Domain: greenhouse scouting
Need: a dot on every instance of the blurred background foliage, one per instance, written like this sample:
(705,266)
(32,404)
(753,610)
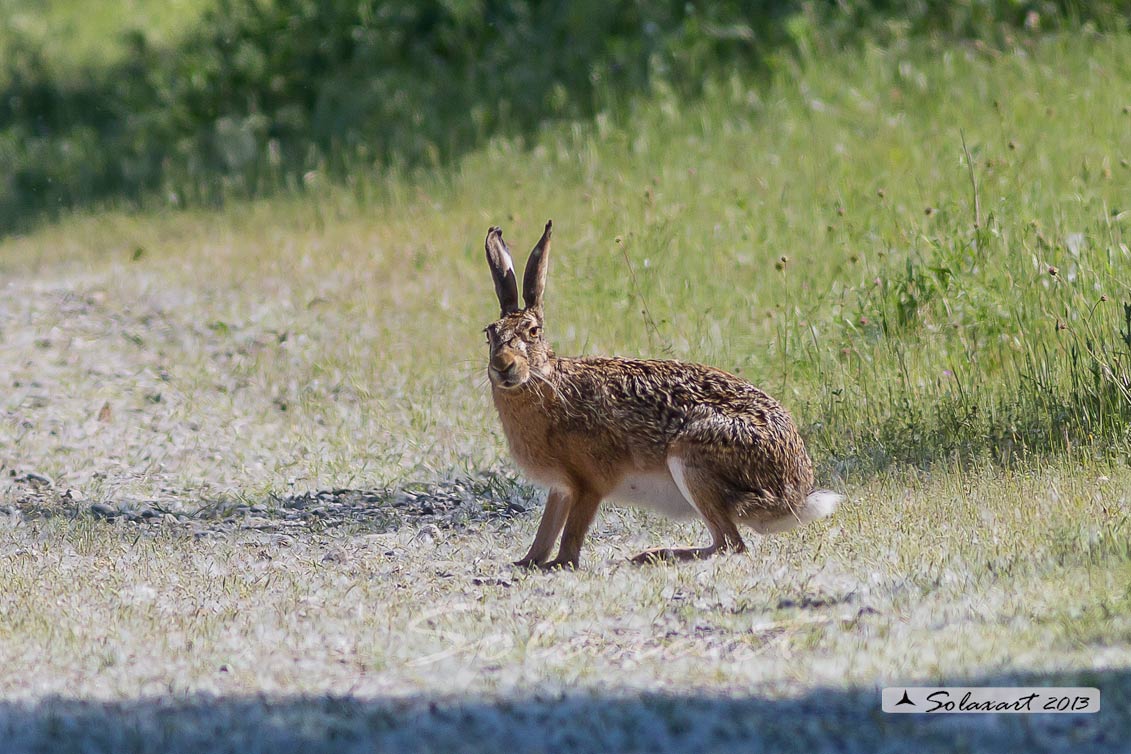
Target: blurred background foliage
(227,98)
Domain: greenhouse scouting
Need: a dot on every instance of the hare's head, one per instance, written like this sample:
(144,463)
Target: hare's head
(518,348)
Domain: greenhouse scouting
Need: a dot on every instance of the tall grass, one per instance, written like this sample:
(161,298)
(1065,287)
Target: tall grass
(820,235)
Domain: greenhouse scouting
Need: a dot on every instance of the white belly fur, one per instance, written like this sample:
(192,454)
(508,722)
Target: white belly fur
(655,490)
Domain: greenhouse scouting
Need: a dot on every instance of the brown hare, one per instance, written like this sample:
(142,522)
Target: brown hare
(681,438)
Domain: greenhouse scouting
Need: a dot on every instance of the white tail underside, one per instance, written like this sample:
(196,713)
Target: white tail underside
(819,504)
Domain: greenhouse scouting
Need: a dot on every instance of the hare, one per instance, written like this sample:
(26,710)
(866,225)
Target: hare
(685,439)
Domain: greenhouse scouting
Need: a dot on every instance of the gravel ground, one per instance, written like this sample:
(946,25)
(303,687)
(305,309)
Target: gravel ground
(446,504)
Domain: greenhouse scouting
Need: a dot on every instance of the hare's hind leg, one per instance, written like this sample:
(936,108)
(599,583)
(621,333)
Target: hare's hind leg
(704,495)
(553,519)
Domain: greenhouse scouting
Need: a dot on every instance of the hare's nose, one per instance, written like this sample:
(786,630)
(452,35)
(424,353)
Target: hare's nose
(502,362)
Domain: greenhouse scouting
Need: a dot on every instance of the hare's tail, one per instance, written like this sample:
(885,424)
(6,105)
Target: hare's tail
(819,504)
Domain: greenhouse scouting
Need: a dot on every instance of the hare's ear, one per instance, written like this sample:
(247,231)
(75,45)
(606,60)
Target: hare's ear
(534,279)
(502,270)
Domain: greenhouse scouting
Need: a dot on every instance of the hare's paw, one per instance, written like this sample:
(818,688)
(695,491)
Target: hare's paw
(527,562)
(560,564)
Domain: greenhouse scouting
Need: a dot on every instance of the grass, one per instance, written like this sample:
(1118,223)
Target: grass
(381,635)
(967,400)
(71,36)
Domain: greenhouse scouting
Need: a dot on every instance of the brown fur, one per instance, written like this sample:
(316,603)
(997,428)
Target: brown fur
(586,427)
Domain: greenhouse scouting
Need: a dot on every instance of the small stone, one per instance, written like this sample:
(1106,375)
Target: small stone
(104,511)
(38,480)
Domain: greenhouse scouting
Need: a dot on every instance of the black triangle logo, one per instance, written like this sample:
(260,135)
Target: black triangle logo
(905,700)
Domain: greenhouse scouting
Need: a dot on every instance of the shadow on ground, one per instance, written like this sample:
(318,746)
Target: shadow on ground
(452,501)
(821,720)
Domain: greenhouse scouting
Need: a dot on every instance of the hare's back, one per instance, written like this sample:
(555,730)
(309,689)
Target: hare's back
(677,384)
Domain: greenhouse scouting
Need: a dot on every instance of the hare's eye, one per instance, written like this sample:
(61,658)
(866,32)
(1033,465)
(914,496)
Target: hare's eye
(534,331)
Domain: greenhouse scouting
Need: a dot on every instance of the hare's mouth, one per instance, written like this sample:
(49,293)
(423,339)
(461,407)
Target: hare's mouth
(506,380)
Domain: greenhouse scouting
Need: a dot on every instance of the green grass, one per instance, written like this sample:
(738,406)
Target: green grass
(896,335)
(73,34)
(333,340)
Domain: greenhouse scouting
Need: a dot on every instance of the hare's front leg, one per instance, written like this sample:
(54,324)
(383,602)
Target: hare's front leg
(710,498)
(553,519)
(582,509)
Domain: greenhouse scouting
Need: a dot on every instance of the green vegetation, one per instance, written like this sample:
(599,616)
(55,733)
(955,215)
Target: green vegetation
(259,93)
(896,330)
(69,35)
(917,242)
